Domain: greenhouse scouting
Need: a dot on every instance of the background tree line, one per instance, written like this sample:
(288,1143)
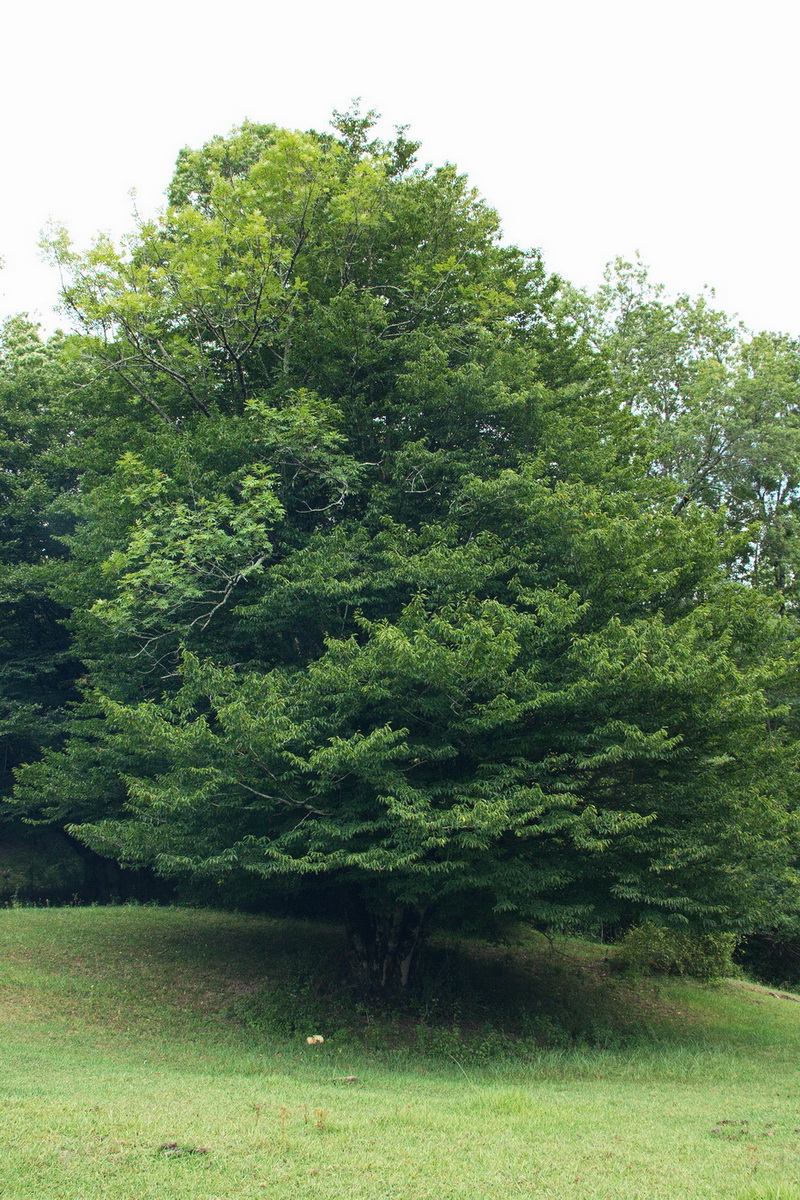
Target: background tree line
(350,553)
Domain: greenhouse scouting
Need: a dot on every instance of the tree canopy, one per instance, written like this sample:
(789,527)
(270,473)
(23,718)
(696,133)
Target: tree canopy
(395,562)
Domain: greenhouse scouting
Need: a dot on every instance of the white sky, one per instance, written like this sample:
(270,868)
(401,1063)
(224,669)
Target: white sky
(596,127)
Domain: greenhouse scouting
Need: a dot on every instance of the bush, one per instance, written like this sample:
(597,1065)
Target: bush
(655,949)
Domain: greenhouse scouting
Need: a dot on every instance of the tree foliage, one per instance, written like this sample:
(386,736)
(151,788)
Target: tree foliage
(394,563)
(37,669)
(719,410)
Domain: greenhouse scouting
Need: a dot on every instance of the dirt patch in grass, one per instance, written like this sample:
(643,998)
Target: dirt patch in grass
(17,1008)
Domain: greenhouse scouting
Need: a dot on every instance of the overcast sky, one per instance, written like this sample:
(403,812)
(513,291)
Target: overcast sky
(595,127)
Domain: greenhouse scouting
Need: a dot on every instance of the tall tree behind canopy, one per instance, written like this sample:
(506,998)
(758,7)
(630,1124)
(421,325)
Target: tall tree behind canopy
(719,408)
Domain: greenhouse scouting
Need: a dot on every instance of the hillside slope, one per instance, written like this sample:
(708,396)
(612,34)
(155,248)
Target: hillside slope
(128,1070)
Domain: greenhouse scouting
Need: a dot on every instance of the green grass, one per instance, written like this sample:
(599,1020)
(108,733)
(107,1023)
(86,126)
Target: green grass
(125,1076)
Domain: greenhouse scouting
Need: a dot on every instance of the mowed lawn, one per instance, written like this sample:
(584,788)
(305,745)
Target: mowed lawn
(124,1076)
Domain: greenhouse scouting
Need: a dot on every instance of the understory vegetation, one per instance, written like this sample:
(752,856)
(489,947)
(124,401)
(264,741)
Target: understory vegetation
(163,1052)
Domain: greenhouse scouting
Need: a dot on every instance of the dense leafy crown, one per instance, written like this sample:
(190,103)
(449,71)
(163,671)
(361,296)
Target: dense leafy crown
(376,572)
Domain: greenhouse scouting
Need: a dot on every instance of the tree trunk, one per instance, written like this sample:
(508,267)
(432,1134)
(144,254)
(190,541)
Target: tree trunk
(384,941)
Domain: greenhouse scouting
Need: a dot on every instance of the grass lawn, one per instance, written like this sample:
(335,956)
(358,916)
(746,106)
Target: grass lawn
(124,1076)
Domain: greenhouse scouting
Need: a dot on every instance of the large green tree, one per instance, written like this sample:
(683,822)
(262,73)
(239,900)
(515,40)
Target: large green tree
(379,588)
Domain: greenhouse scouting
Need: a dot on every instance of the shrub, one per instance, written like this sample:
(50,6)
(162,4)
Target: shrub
(656,949)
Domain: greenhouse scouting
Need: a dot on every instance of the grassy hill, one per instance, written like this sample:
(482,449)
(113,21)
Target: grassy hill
(161,1054)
